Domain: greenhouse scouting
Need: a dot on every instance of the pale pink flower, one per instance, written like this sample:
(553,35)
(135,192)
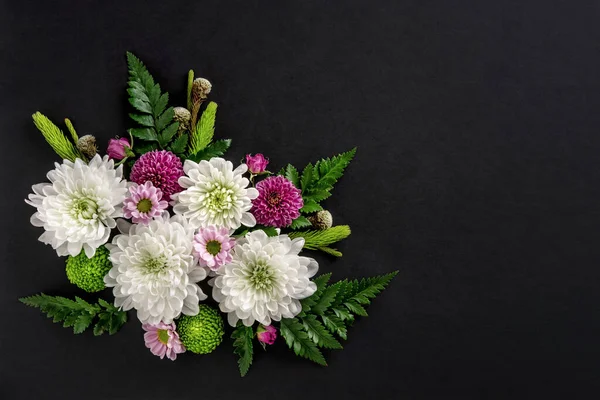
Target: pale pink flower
(117,148)
(144,203)
(162,340)
(256,163)
(266,334)
(212,245)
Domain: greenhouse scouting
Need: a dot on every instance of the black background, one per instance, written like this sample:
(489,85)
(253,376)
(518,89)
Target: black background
(476,176)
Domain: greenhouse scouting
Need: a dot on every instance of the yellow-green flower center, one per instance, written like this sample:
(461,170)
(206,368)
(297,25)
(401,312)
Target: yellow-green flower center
(154,265)
(261,276)
(144,205)
(218,199)
(213,247)
(163,336)
(84,208)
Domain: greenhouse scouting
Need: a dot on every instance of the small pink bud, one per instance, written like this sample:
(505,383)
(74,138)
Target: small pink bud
(117,148)
(257,163)
(266,334)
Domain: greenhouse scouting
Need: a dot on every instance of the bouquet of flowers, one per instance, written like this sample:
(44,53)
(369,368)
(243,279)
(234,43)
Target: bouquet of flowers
(187,225)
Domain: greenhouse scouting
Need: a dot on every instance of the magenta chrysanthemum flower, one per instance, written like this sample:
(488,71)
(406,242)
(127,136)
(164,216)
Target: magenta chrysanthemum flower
(278,202)
(144,203)
(162,168)
(163,340)
(212,246)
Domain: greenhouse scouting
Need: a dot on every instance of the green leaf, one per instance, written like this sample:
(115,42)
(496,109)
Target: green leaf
(146,97)
(307,177)
(319,334)
(168,133)
(203,134)
(55,138)
(143,119)
(300,222)
(311,206)
(242,346)
(356,308)
(291,174)
(179,144)
(190,84)
(330,251)
(144,133)
(321,282)
(315,240)
(298,340)
(216,149)
(335,325)
(325,300)
(78,313)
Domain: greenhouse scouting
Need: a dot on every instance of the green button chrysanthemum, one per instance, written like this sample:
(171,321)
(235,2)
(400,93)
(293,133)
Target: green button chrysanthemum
(88,273)
(202,333)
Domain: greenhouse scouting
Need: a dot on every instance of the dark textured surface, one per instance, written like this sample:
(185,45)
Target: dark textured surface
(477,177)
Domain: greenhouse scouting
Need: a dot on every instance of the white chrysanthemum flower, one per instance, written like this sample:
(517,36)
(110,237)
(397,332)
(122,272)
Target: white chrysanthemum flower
(265,280)
(154,270)
(215,194)
(78,208)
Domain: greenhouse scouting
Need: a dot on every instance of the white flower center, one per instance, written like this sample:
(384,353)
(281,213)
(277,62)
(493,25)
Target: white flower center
(218,198)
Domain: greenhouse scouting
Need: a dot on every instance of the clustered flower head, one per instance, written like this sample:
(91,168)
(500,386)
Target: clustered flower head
(278,202)
(162,168)
(144,203)
(212,246)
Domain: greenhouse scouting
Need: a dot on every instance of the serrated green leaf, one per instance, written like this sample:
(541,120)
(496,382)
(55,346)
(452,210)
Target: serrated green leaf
(291,174)
(203,133)
(144,134)
(310,206)
(300,222)
(307,178)
(319,334)
(161,104)
(165,119)
(335,325)
(168,133)
(179,144)
(215,149)
(143,119)
(242,346)
(138,93)
(83,321)
(297,339)
(140,105)
(356,308)
(325,300)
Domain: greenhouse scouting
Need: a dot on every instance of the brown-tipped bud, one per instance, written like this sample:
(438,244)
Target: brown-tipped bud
(321,220)
(200,89)
(183,116)
(87,146)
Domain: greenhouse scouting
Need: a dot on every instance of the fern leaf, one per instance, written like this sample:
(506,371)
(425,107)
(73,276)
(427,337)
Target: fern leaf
(242,344)
(319,334)
(300,222)
(297,339)
(203,134)
(291,174)
(215,149)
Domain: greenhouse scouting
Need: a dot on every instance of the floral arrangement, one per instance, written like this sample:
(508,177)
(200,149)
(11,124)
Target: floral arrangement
(184,237)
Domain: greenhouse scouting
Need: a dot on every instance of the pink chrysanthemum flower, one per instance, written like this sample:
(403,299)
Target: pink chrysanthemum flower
(163,340)
(162,168)
(278,202)
(212,246)
(144,203)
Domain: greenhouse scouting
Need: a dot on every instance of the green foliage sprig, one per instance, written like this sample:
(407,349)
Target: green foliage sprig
(242,346)
(55,137)
(321,240)
(328,313)
(316,182)
(78,313)
(203,133)
(156,120)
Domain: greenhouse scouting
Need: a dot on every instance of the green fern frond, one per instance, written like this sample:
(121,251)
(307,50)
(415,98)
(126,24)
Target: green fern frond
(242,346)
(78,313)
(55,137)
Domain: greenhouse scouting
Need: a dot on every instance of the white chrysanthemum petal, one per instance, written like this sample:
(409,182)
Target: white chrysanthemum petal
(78,208)
(215,194)
(154,270)
(264,281)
